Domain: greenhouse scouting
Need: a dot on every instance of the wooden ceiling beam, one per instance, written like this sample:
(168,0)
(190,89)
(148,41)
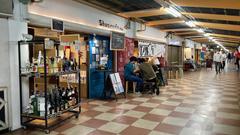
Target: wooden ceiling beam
(213,16)
(229,39)
(222,35)
(200,38)
(219,26)
(226,4)
(144,13)
(186,33)
(181,29)
(194,36)
(163,22)
(226,42)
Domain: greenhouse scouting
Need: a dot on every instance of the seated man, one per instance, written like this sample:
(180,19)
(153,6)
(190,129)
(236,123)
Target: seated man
(130,74)
(148,73)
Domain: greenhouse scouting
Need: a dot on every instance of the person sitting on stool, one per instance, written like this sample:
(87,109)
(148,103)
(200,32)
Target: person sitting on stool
(148,74)
(130,74)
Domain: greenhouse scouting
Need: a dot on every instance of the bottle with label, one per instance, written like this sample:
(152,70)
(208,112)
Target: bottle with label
(60,99)
(35,105)
(50,101)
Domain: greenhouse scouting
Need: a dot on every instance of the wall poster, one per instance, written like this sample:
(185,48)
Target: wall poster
(151,49)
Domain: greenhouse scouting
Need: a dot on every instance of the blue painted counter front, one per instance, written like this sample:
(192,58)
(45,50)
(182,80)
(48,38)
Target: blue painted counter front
(96,78)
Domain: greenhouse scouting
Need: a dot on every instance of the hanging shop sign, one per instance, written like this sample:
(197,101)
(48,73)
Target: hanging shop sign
(102,23)
(151,49)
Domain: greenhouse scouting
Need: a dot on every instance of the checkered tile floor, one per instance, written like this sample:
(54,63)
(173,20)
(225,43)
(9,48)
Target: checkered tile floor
(202,103)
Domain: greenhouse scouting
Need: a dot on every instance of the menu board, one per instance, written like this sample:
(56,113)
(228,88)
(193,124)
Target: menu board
(117,41)
(57,25)
(116,83)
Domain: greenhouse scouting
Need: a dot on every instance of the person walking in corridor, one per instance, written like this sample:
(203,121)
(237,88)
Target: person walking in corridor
(217,59)
(223,59)
(229,57)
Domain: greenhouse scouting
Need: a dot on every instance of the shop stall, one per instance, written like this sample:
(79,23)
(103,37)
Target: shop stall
(142,49)
(124,55)
(189,56)
(49,83)
(198,52)
(100,64)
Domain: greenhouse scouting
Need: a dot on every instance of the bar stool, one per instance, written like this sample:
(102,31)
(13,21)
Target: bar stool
(126,87)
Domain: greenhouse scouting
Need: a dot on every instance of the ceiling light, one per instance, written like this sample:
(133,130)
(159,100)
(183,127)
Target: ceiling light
(200,30)
(190,24)
(173,12)
(206,35)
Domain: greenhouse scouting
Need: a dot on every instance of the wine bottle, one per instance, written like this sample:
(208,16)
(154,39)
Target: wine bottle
(35,105)
(60,99)
(68,94)
(51,101)
(76,95)
(64,97)
(56,98)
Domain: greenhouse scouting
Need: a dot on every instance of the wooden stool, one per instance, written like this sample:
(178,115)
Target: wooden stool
(126,87)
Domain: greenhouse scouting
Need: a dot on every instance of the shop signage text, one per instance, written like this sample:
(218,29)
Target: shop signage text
(110,26)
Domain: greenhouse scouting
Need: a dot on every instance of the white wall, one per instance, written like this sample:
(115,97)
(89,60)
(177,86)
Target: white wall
(10,33)
(189,43)
(4,58)
(16,29)
(84,17)
(151,34)
(175,40)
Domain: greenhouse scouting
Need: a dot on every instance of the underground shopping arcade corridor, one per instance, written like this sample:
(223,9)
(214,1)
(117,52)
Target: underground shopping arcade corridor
(201,103)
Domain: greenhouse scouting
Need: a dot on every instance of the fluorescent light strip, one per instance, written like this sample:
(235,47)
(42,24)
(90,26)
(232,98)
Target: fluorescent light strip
(173,12)
(206,35)
(199,30)
(190,24)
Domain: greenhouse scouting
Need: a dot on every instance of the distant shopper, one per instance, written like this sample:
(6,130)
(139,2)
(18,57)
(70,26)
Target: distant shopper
(217,59)
(130,74)
(237,57)
(223,58)
(229,57)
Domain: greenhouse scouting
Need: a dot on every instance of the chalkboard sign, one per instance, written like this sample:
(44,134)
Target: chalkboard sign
(117,41)
(57,25)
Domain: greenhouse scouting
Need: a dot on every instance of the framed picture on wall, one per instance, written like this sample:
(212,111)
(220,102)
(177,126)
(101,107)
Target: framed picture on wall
(117,41)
